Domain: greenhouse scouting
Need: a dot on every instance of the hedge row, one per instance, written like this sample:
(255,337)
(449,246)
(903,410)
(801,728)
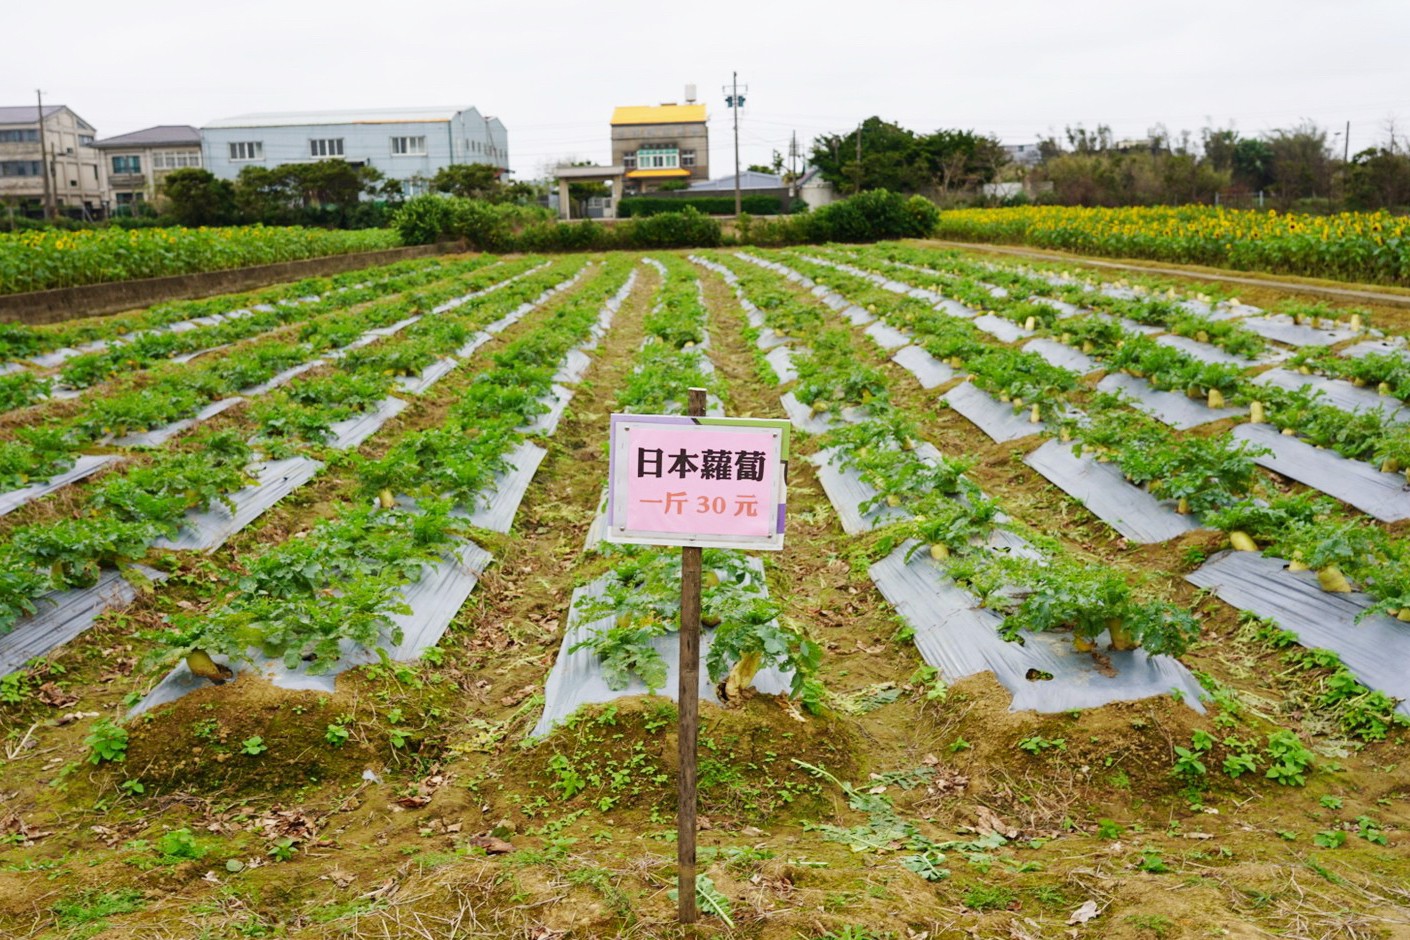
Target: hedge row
(497,227)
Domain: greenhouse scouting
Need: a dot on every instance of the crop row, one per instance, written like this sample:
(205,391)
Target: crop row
(1214,475)
(141,350)
(126,512)
(639,599)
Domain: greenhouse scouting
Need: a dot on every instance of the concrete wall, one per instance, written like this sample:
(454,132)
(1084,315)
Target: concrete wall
(91,300)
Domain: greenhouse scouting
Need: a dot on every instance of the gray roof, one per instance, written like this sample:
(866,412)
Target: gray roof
(27,113)
(749,179)
(359,116)
(173,135)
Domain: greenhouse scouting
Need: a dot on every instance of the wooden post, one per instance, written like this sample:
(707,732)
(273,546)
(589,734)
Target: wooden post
(688,701)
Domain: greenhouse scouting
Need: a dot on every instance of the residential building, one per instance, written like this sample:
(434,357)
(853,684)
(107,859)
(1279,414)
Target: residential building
(136,162)
(657,143)
(74,167)
(1023,154)
(405,144)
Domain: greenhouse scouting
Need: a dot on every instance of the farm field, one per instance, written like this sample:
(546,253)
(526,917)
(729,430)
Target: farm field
(41,260)
(1350,246)
(1090,621)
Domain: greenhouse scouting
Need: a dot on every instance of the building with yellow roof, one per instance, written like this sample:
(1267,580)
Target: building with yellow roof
(660,143)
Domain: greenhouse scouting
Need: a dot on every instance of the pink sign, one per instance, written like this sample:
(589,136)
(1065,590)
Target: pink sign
(678,482)
(705,482)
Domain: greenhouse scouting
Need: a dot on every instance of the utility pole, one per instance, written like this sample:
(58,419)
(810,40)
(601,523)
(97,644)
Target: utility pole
(736,101)
(857,185)
(792,174)
(50,210)
(1346,152)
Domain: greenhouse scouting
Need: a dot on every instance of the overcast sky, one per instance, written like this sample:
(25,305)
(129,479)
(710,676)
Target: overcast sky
(553,70)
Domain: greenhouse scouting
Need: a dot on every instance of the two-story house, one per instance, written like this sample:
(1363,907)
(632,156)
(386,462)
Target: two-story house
(136,163)
(656,143)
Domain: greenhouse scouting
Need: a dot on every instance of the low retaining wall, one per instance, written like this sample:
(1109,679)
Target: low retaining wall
(91,300)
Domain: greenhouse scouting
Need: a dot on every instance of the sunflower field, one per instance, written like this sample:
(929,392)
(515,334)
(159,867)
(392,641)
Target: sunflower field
(1349,246)
(41,260)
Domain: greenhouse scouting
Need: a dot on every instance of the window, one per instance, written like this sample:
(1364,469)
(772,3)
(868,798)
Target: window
(405,146)
(85,140)
(629,161)
(247,150)
(326,147)
(687,158)
(655,158)
(174,159)
(131,164)
(21,168)
(21,136)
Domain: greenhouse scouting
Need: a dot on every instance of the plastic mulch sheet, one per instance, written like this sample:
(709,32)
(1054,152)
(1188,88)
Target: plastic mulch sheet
(576,678)
(434,601)
(768,339)
(82,468)
(58,357)
(598,525)
(1101,487)
(857,316)
(1062,356)
(1208,352)
(498,505)
(804,420)
(283,378)
(159,436)
(1178,411)
(417,384)
(1002,329)
(546,423)
(1063,308)
(196,354)
(846,491)
(995,418)
(63,615)
(350,433)
(887,337)
(1282,329)
(1382,495)
(1130,326)
(780,359)
(928,371)
(206,531)
(1337,393)
(573,368)
(1375,648)
(960,638)
(1380,347)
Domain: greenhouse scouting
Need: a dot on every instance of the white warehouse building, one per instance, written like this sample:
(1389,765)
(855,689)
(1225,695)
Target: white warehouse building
(406,144)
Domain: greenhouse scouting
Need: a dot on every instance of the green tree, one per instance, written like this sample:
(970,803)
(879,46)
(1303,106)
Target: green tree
(196,197)
(888,158)
(1378,178)
(1301,167)
(955,160)
(469,181)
